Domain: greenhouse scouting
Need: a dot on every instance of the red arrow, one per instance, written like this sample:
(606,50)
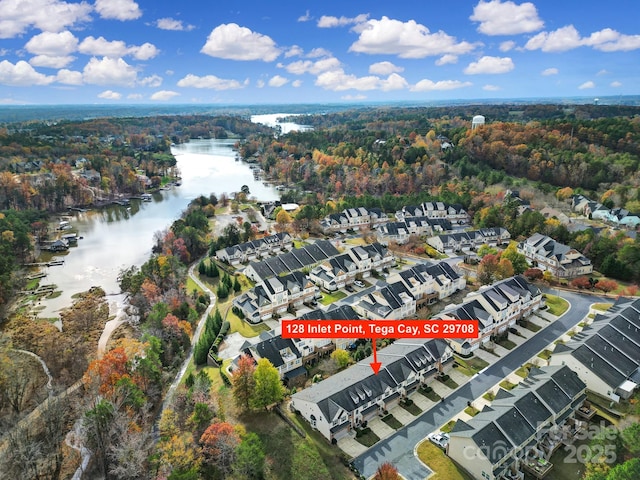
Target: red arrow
(375,365)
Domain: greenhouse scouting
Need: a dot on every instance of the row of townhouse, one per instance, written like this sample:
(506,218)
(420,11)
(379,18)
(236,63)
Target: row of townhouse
(496,307)
(400,231)
(606,353)
(352,218)
(275,295)
(291,355)
(255,249)
(452,212)
(522,428)
(454,242)
(296,259)
(341,270)
(561,260)
(410,289)
(597,211)
(350,398)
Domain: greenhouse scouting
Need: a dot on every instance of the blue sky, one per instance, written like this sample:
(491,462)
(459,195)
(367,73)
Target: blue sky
(199,51)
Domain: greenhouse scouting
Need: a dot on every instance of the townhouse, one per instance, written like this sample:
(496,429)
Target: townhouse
(430,283)
(606,353)
(400,231)
(348,399)
(496,307)
(391,302)
(333,312)
(296,259)
(455,242)
(276,295)
(452,212)
(561,260)
(522,427)
(352,218)
(335,273)
(597,211)
(255,249)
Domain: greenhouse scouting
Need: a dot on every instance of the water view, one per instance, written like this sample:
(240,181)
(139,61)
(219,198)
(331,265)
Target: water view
(118,237)
(271,120)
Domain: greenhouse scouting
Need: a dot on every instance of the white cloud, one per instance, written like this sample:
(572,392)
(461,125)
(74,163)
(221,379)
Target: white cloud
(327,21)
(164,95)
(296,83)
(69,77)
(52,44)
(603,72)
(615,84)
(278,81)
(21,74)
(550,71)
(260,83)
(491,88)
(16,16)
(152,81)
(508,45)
(384,68)
(338,80)
(208,81)
(587,85)
(307,66)
(234,42)
(560,40)
(506,18)
(568,38)
(318,52)
(353,97)
(110,95)
(173,24)
(406,39)
(447,59)
(116,49)
(118,9)
(427,85)
(146,51)
(109,71)
(294,51)
(305,18)
(50,61)
(490,65)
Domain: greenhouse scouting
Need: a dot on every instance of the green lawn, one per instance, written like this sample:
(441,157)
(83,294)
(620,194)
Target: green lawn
(392,421)
(447,427)
(431,395)
(245,329)
(192,286)
(532,326)
(489,396)
(329,298)
(506,343)
(413,409)
(442,466)
(472,411)
(368,439)
(507,385)
(556,305)
(602,306)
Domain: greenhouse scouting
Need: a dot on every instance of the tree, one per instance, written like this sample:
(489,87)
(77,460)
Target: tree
(250,457)
(283,220)
(218,445)
(631,438)
(387,471)
(580,283)
(341,357)
(629,470)
(518,260)
(606,285)
(268,387)
(236,285)
(243,382)
(532,274)
(485,249)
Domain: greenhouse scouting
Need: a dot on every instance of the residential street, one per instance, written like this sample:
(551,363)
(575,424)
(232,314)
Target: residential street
(399,448)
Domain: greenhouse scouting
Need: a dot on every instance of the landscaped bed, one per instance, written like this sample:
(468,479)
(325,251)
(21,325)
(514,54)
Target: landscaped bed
(392,421)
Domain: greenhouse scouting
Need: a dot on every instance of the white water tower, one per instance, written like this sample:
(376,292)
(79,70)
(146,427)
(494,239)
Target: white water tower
(477,121)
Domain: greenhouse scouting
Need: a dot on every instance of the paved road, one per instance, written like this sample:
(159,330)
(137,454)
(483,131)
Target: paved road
(399,448)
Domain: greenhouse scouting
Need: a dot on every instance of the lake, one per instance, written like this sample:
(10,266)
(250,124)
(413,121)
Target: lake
(118,237)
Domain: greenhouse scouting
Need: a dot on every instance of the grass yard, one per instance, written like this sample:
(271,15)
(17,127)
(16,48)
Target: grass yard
(603,307)
(442,466)
(471,411)
(329,298)
(451,384)
(557,306)
(431,395)
(447,427)
(506,343)
(368,439)
(412,408)
(245,328)
(392,421)
(489,396)
(507,385)
(192,286)
(532,326)
(291,456)
(523,371)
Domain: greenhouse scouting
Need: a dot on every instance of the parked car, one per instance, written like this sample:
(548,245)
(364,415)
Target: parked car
(349,288)
(440,439)
(358,283)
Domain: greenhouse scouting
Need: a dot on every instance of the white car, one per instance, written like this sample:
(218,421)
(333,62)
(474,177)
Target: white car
(440,439)
(358,283)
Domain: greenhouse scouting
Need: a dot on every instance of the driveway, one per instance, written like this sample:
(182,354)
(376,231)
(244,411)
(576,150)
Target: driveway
(398,448)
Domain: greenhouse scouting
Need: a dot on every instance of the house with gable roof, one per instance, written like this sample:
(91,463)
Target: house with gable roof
(561,260)
(391,302)
(606,353)
(522,427)
(352,397)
